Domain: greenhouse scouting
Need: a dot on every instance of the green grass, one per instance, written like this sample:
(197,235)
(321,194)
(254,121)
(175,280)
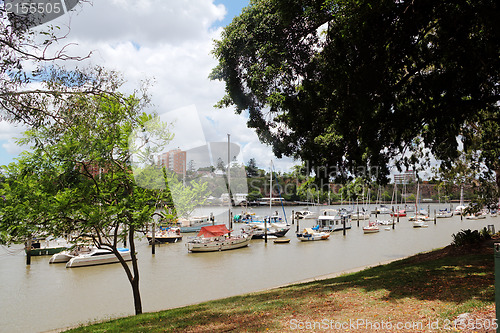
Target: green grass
(429,286)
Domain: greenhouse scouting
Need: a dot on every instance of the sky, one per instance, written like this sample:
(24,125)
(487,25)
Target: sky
(169,42)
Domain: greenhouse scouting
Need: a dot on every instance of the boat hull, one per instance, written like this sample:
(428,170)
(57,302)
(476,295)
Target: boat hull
(222,245)
(261,235)
(162,240)
(60,257)
(47,251)
(86,260)
(313,237)
(194,228)
(473,217)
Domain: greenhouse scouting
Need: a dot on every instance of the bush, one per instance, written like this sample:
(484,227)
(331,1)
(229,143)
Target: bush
(470,238)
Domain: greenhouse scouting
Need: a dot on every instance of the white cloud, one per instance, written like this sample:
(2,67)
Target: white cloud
(146,22)
(170,42)
(9,133)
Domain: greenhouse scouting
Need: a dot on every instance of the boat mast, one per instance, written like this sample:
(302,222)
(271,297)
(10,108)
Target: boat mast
(270,201)
(461,195)
(416,200)
(229,177)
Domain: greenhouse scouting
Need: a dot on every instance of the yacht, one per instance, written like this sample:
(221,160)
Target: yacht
(98,257)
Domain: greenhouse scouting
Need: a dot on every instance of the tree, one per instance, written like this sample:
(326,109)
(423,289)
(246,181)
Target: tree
(252,169)
(356,85)
(28,56)
(186,197)
(83,176)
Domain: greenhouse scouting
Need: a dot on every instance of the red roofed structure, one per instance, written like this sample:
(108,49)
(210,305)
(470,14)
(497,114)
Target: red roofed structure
(213,231)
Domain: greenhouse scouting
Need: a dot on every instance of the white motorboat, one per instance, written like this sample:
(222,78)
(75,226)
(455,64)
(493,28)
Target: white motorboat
(444,213)
(67,255)
(477,216)
(360,216)
(217,238)
(168,235)
(258,231)
(381,210)
(98,257)
(331,220)
(195,223)
(419,224)
(459,210)
(306,214)
(310,235)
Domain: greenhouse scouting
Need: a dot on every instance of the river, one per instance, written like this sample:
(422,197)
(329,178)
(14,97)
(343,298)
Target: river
(42,297)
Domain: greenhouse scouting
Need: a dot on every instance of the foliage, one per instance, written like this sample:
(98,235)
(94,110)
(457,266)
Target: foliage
(186,197)
(470,238)
(354,85)
(254,196)
(79,179)
(252,169)
(27,58)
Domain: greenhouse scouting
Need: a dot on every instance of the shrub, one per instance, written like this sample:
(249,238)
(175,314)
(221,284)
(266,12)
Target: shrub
(470,238)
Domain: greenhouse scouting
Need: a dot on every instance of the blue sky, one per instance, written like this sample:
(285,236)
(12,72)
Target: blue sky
(233,8)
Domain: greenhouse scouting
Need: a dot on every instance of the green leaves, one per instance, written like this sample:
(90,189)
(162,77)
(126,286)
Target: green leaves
(358,91)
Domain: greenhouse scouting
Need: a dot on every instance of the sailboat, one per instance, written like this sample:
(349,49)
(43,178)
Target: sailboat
(371,228)
(360,214)
(402,212)
(460,208)
(379,207)
(444,213)
(418,220)
(217,238)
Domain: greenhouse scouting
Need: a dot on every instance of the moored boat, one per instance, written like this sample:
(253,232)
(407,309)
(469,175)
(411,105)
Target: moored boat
(216,238)
(371,228)
(47,246)
(362,215)
(282,241)
(259,232)
(444,213)
(194,224)
(98,257)
(477,216)
(419,223)
(332,220)
(170,235)
(310,235)
(306,214)
(67,255)
(381,210)
(401,213)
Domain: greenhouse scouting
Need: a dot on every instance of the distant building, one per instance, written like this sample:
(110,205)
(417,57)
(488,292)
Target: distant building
(238,198)
(406,177)
(93,169)
(174,160)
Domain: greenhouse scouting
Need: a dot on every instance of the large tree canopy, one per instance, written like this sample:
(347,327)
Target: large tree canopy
(350,84)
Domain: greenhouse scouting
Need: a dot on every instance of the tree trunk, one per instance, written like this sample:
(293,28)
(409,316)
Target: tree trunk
(135,280)
(133,276)
(497,173)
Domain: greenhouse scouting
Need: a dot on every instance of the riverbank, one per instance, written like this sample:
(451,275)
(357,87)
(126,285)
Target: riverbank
(426,292)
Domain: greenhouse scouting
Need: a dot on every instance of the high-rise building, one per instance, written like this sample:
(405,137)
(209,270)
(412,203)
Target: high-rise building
(174,160)
(405,177)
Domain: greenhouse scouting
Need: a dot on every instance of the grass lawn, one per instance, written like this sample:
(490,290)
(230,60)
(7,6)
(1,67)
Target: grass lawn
(423,293)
